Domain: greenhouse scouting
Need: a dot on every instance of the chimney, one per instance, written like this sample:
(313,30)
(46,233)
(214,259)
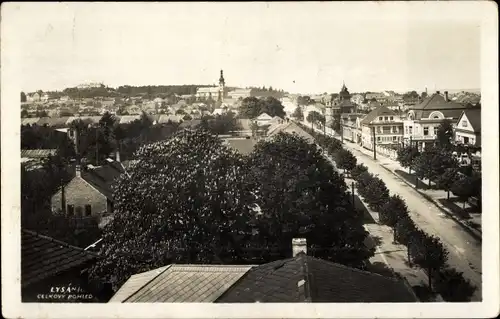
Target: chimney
(78,172)
(299,245)
(446,96)
(438,92)
(63,200)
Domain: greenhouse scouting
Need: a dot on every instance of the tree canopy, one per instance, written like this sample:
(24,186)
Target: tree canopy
(298,114)
(185,200)
(313,200)
(252,107)
(445,133)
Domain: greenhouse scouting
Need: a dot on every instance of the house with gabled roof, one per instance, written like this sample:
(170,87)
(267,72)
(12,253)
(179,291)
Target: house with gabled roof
(382,125)
(301,278)
(468,127)
(89,193)
(290,128)
(263,119)
(422,120)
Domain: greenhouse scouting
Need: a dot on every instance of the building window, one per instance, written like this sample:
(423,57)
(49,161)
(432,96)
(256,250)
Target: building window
(435,130)
(392,118)
(88,210)
(380,118)
(378,138)
(78,211)
(386,118)
(394,138)
(426,130)
(464,123)
(70,209)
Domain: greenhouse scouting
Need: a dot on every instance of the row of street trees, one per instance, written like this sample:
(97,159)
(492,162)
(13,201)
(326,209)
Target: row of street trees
(437,164)
(192,199)
(423,250)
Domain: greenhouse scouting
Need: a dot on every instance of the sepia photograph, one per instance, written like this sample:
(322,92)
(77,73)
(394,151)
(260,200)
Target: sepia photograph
(261,159)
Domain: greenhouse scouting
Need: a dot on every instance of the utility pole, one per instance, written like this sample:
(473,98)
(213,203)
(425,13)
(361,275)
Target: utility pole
(374,144)
(353,202)
(97,146)
(341,133)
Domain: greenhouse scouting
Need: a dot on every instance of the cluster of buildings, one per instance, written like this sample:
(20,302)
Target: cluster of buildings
(419,124)
(196,105)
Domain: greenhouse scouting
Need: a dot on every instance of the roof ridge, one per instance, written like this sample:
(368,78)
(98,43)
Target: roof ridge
(308,278)
(147,283)
(352,268)
(34,233)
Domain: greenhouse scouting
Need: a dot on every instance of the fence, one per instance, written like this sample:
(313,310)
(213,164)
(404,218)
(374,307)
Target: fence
(387,152)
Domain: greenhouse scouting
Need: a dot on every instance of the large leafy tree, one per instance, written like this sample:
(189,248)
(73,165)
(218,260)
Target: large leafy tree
(300,194)
(452,285)
(447,179)
(298,114)
(445,133)
(429,253)
(464,188)
(392,211)
(252,107)
(358,170)
(433,162)
(375,193)
(407,156)
(185,201)
(314,117)
(345,160)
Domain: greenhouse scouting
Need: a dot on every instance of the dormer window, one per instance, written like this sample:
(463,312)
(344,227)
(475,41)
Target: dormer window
(380,118)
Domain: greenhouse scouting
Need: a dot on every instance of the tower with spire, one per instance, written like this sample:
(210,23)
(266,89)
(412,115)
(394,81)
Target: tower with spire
(222,84)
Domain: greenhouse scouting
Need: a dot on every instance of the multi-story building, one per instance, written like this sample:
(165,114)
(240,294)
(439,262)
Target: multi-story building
(383,124)
(422,120)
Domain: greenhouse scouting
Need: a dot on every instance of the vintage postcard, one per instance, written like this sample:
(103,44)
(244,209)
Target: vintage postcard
(247,160)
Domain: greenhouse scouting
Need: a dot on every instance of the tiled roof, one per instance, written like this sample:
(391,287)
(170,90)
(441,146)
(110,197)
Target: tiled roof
(190,123)
(38,153)
(245,124)
(29,121)
(43,257)
(165,118)
(124,119)
(103,177)
(135,283)
(291,128)
(474,117)
(264,116)
(381,110)
(189,283)
(437,102)
(324,282)
(242,145)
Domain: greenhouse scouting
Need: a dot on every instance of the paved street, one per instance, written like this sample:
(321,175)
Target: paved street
(464,250)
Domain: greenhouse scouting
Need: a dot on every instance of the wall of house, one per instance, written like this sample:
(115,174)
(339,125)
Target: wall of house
(420,129)
(469,138)
(80,193)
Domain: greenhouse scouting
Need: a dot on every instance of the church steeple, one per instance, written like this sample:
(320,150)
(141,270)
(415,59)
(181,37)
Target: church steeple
(222,84)
(221,79)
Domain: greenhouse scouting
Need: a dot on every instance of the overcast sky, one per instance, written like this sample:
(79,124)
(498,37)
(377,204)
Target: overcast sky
(299,47)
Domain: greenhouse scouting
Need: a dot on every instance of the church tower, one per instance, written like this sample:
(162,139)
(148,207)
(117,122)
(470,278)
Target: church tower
(222,84)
